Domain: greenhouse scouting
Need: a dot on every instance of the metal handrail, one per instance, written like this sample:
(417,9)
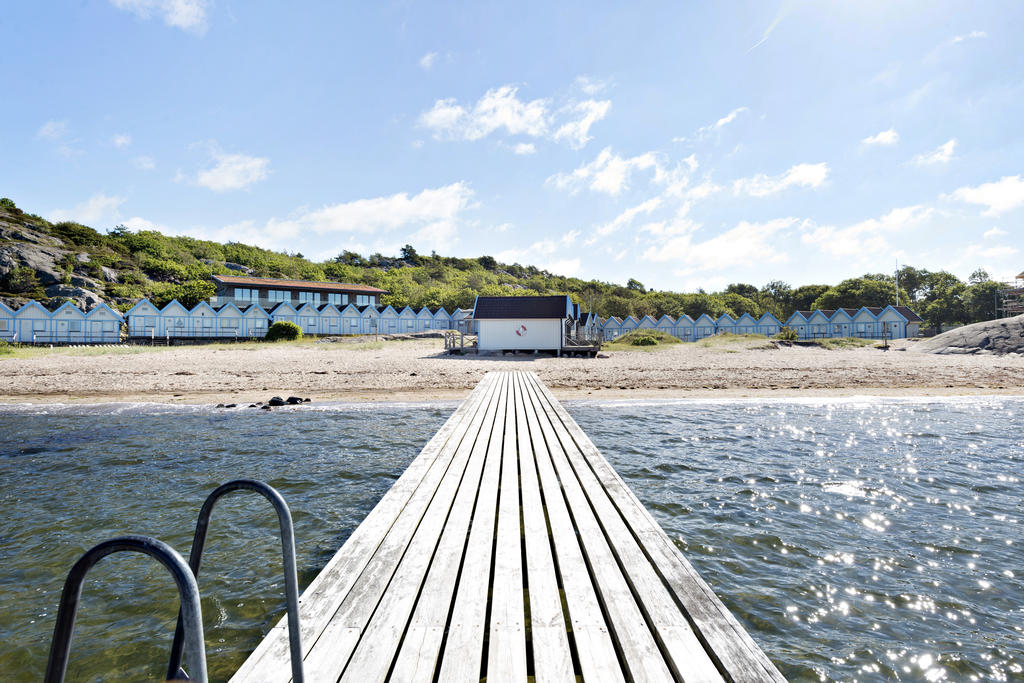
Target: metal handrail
(190,613)
(291,581)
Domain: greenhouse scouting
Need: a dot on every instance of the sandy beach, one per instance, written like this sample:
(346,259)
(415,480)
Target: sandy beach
(419,370)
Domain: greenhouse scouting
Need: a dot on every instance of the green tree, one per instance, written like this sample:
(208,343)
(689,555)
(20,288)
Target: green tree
(980,300)
(635,285)
(188,294)
(803,298)
(22,280)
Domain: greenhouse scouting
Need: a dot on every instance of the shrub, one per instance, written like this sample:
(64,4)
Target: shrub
(644,340)
(6,203)
(163,269)
(283,331)
(5,348)
(22,279)
(77,234)
(787,334)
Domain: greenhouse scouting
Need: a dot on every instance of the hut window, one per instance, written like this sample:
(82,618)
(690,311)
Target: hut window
(108,327)
(75,325)
(207,322)
(38,325)
(258,324)
(3,325)
(229,324)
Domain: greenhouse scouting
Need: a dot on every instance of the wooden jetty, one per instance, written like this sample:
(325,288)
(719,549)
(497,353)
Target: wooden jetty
(510,549)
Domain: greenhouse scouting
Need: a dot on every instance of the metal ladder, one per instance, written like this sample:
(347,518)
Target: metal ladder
(188,633)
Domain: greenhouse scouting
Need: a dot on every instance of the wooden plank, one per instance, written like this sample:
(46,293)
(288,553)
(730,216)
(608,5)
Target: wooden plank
(736,653)
(418,655)
(270,660)
(683,650)
(463,650)
(506,653)
(381,605)
(594,645)
(552,659)
(632,634)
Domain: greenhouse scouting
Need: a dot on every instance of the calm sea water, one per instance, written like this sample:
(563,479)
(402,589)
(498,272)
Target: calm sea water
(855,539)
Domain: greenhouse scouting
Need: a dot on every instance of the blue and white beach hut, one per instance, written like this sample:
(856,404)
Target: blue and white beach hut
(308,318)
(229,322)
(704,326)
(174,320)
(351,320)
(798,323)
(6,322)
(865,324)
(202,321)
(388,323)
(646,323)
(666,324)
(424,319)
(818,324)
(612,328)
(629,323)
(144,320)
(103,325)
(684,328)
(330,319)
(255,321)
(892,323)
(768,325)
(406,320)
(283,312)
(68,325)
(725,324)
(370,320)
(32,323)
(442,319)
(745,324)
(841,322)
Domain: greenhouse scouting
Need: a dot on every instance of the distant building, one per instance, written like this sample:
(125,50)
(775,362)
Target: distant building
(269,292)
(523,323)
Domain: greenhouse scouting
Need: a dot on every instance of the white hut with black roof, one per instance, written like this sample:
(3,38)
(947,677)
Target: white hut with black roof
(522,323)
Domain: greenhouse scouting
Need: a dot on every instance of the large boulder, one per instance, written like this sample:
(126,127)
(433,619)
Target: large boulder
(996,337)
(26,232)
(40,258)
(109,274)
(82,298)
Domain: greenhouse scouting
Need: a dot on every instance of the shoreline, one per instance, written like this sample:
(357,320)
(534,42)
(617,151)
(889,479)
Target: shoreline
(562,394)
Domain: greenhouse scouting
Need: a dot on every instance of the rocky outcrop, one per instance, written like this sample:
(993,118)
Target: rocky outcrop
(83,298)
(992,337)
(42,259)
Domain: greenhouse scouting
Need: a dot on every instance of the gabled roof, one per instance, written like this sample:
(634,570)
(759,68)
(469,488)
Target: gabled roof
(666,316)
(295,284)
(407,308)
(5,307)
(369,310)
(910,315)
(729,320)
(441,311)
(827,313)
(173,302)
(843,312)
(647,317)
(68,304)
(705,315)
(143,302)
(381,310)
(528,307)
(766,314)
(280,304)
(101,306)
(324,307)
(306,305)
(253,308)
(424,311)
(748,317)
(684,318)
(613,322)
(31,305)
(349,307)
(802,315)
(227,306)
(849,311)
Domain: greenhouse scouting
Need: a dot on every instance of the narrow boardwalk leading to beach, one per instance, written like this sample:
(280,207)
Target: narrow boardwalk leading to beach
(510,548)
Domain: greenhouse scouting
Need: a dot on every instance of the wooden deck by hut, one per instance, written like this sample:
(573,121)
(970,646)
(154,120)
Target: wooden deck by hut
(510,549)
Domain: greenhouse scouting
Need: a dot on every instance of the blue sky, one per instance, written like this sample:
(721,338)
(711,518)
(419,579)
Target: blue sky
(684,144)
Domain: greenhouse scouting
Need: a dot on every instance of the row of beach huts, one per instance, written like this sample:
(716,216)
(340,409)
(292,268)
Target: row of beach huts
(68,324)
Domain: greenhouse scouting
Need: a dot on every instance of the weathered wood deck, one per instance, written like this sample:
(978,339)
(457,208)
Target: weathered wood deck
(510,548)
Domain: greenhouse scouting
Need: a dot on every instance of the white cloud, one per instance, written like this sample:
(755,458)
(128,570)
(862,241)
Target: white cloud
(540,252)
(427,220)
(97,208)
(627,217)
(994,232)
(590,86)
(955,40)
(747,244)
(189,15)
(564,267)
(704,131)
(608,173)
(886,137)
(865,239)
(524,148)
(144,163)
(1000,196)
(576,131)
(941,155)
(801,175)
(136,223)
(233,172)
(427,61)
(121,140)
(501,111)
(53,130)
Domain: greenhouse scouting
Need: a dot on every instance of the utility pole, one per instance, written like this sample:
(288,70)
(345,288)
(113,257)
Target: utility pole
(897,281)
